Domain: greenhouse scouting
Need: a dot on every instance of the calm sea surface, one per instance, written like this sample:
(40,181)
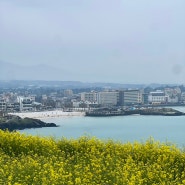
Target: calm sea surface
(121,128)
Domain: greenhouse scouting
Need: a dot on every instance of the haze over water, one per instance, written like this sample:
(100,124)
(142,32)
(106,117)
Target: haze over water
(120,128)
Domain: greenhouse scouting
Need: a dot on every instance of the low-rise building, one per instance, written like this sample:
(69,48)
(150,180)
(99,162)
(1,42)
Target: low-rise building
(157,97)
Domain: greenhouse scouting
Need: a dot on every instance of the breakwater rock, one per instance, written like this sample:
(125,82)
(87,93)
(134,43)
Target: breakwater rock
(143,111)
(17,123)
(155,111)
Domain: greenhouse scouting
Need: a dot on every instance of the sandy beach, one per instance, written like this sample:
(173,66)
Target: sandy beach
(47,114)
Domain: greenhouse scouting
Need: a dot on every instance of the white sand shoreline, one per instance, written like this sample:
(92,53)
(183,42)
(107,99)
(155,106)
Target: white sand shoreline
(47,114)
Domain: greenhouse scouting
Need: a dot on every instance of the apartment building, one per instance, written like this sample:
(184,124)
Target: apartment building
(11,107)
(183,97)
(130,97)
(26,103)
(68,93)
(108,98)
(89,96)
(172,94)
(2,104)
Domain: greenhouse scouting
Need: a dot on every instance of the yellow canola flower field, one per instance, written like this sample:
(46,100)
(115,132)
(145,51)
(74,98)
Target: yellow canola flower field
(26,160)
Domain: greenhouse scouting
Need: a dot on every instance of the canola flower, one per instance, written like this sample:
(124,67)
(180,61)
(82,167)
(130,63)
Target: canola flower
(33,160)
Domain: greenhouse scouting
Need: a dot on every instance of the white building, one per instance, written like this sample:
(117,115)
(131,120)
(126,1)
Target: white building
(26,103)
(76,104)
(108,98)
(157,97)
(132,97)
(89,96)
(44,97)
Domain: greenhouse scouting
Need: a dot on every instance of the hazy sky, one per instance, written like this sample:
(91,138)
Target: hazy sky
(126,41)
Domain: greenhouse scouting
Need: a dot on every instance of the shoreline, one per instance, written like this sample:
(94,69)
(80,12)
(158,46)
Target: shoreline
(47,114)
(52,114)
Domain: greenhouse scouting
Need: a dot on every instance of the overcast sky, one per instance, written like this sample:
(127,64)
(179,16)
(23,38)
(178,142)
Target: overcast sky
(125,41)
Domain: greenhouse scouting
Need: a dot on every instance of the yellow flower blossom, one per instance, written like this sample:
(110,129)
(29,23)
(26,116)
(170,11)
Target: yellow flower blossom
(87,161)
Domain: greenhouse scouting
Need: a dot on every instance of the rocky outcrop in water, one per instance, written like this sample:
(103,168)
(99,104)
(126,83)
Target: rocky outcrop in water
(16,123)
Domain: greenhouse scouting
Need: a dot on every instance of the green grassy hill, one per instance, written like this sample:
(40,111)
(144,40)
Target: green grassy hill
(45,161)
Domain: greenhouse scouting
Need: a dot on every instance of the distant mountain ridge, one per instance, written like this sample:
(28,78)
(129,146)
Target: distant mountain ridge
(13,75)
(74,84)
(9,71)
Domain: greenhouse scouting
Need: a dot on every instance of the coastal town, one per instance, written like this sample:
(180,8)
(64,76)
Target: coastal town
(25,106)
(36,99)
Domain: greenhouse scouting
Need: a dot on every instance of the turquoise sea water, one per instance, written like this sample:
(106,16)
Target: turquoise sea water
(121,128)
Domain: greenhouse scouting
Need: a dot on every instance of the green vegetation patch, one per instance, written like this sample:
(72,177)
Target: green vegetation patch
(45,161)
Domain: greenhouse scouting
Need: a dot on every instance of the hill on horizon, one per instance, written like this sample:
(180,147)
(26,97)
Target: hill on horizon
(12,75)
(10,71)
